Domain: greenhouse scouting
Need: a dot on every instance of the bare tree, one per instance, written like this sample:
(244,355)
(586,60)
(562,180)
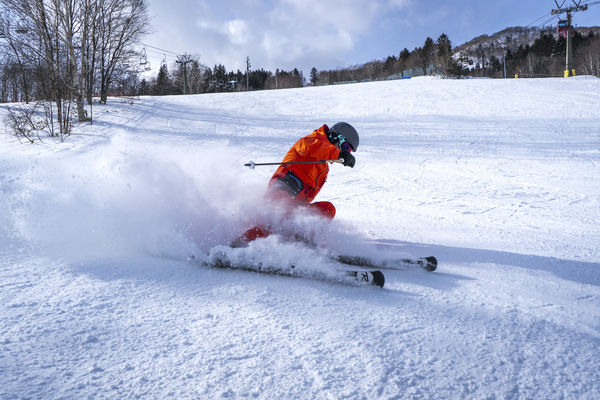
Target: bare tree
(24,123)
(195,74)
(6,30)
(591,57)
(72,15)
(120,24)
(44,38)
(65,41)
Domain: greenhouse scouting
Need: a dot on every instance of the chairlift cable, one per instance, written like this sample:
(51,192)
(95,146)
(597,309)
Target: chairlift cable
(533,22)
(156,48)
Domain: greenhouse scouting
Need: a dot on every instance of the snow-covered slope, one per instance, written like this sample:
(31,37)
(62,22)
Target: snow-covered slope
(497,178)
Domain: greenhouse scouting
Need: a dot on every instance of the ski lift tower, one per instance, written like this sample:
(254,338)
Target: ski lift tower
(184,60)
(577,6)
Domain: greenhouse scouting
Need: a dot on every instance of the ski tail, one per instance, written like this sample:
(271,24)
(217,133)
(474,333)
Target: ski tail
(427,263)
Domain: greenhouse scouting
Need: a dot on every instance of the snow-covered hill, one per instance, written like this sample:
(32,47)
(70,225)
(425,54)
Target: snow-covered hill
(497,178)
(513,38)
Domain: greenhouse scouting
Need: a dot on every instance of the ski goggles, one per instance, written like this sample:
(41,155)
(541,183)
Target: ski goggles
(344,145)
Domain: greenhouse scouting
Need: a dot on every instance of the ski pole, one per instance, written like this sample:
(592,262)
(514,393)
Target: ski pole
(252,164)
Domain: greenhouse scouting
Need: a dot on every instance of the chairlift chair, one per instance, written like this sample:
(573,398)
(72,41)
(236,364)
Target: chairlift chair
(563,27)
(21,27)
(143,58)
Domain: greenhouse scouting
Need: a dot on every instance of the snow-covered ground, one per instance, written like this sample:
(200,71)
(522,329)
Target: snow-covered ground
(500,179)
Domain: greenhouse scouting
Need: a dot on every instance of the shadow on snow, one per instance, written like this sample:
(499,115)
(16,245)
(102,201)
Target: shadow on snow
(576,271)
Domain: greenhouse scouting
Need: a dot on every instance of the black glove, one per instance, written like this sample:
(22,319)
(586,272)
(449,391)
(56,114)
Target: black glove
(348,159)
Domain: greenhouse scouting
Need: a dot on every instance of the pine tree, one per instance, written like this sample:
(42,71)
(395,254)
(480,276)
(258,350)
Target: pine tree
(219,77)
(144,87)
(403,60)
(314,76)
(455,69)
(444,52)
(427,54)
(495,65)
(388,65)
(163,83)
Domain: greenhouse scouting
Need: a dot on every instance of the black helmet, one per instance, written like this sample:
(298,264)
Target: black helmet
(343,132)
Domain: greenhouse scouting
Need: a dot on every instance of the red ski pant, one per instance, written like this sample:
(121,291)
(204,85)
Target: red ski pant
(322,208)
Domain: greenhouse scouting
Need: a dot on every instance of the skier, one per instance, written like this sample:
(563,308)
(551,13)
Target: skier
(298,184)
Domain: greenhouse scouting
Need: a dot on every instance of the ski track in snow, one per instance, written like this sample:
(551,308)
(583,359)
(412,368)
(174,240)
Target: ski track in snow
(492,177)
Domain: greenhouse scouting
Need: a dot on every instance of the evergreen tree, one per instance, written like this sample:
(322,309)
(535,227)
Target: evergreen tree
(207,81)
(258,78)
(314,76)
(389,64)
(219,77)
(444,52)
(495,66)
(403,60)
(144,87)
(455,69)
(427,54)
(298,78)
(163,84)
(544,45)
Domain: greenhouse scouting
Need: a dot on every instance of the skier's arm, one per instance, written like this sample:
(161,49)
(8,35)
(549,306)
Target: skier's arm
(314,149)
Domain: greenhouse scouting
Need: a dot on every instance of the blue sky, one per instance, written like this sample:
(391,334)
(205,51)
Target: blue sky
(327,34)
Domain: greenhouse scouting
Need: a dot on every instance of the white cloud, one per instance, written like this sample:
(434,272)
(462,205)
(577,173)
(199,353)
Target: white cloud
(238,31)
(280,33)
(316,29)
(323,33)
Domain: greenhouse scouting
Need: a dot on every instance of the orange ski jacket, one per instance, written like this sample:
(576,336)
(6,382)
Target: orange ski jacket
(313,147)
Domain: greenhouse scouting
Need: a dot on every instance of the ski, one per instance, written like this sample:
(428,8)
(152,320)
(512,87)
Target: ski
(375,278)
(354,276)
(427,263)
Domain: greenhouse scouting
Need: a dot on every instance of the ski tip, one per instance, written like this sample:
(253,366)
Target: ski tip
(378,278)
(431,264)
